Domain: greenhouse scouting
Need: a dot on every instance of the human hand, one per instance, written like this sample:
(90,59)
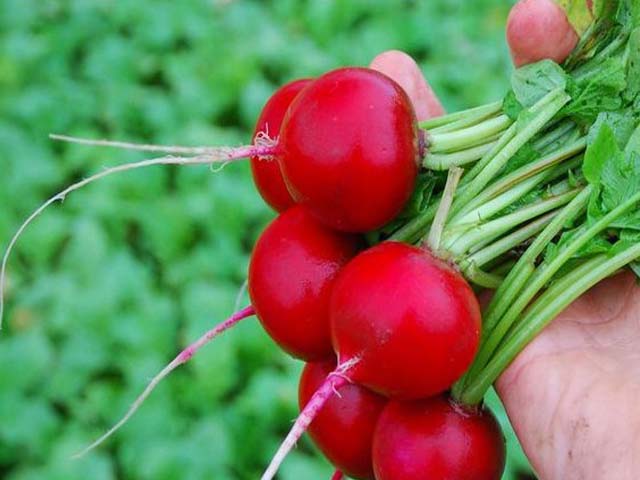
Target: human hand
(572,393)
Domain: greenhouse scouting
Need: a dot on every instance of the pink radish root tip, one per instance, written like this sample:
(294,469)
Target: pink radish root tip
(334,381)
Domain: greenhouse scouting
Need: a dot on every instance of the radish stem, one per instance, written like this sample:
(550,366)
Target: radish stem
(435,234)
(544,310)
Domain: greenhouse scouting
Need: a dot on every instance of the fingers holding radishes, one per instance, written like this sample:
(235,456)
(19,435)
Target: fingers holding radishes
(539,29)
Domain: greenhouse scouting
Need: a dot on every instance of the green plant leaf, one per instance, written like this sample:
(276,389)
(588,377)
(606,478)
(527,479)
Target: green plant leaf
(532,82)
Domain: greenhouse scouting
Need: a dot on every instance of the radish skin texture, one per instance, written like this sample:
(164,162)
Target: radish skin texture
(349,149)
(436,440)
(408,321)
(294,264)
(343,429)
(538,30)
(266,171)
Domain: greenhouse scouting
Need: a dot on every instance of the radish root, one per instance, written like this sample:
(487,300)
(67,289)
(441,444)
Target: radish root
(203,156)
(337,475)
(332,384)
(183,357)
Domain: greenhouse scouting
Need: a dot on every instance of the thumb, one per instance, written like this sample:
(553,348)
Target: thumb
(405,71)
(537,30)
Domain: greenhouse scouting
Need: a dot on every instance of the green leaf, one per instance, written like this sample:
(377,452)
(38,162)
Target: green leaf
(598,92)
(602,148)
(524,156)
(622,123)
(620,179)
(598,244)
(633,144)
(532,82)
(511,106)
(633,66)
(578,13)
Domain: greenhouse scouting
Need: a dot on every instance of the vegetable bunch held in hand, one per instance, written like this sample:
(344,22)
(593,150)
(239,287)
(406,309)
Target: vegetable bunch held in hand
(534,195)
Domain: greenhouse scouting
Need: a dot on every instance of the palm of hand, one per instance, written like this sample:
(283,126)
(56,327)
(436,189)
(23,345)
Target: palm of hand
(573,394)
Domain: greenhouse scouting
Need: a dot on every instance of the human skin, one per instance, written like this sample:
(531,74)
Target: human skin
(573,394)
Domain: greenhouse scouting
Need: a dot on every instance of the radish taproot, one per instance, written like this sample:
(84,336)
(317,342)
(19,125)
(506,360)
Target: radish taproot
(267,175)
(438,440)
(343,430)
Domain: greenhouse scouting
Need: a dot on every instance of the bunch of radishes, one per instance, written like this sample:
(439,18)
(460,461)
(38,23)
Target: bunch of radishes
(387,328)
(363,275)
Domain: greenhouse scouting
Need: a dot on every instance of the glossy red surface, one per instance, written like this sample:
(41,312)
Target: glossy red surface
(431,439)
(292,270)
(343,430)
(349,149)
(266,172)
(413,321)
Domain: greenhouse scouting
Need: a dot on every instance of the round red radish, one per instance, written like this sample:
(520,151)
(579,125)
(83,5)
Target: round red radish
(266,172)
(349,149)
(343,430)
(292,270)
(437,440)
(408,322)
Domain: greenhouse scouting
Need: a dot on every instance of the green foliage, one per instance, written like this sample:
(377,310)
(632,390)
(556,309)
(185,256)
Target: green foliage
(106,288)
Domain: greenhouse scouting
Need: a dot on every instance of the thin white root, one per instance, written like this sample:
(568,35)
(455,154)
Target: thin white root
(182,358)
(241,291)
(213,155)
(142,147)
(332,384)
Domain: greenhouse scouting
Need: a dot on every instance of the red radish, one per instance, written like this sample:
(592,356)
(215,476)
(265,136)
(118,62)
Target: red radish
(349,149)
(404,323)
(437,440)
(292,270)
(409,319)
(343,430)
(337,475)
(266,173)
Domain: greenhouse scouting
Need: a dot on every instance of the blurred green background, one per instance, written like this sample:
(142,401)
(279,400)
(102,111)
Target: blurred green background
(106,288)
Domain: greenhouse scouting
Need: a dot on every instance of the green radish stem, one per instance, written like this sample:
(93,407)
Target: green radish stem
(182,358)
(477,113)
(553,102)
(466,121)
(536,169)
(544,274)
(488,166)
(444,161)
(490,230)
(479,277)
(502,246)
(559,296)
(467,137)
(437,227)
